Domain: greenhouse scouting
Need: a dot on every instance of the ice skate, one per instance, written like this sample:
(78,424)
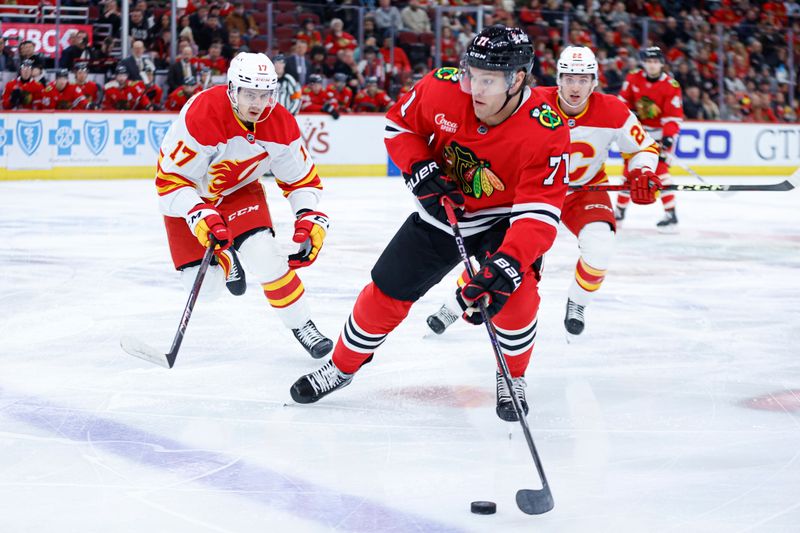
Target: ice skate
(441,320)
(505,405)
(235,281)
(313,386)
(668,224)
(619,214)
(315,343)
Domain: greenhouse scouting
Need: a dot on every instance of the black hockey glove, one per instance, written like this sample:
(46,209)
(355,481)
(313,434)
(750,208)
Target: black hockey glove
(665,151)
(497,278)
(16,97)
(430,185)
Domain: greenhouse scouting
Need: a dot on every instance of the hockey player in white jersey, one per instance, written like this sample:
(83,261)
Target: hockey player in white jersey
(207,181)
(595,120)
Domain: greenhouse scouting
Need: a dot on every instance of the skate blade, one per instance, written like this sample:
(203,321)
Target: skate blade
(572,339)
(137,348)
(668,230)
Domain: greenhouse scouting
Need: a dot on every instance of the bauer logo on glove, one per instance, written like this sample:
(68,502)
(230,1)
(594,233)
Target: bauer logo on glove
(310,229)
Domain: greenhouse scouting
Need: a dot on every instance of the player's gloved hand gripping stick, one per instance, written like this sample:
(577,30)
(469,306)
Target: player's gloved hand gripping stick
(530,501)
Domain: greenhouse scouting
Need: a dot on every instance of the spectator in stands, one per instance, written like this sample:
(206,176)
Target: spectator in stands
(138,27)
(371,98)
(339,39)
(26,50)
(160,49)
(235,45)
(309,34)
(298,65)
(401,66)
(103,60)
(613,77)
(62,95)
(186,38)
(90,89)
(731,109)
(760,111)
(710,107)
(342,93)
(214,59)
(111,15)
(198,19)
(371,66)
(289,91)
(387,18)
(465,36)
(6,57)
(242,21)
(346,64)
(76,51)
(153,91)
(137,61)
(23,92)
(181,70)
(415,18)
(449,48)
(178,98)
(316,99)
(692,105)
(370,30)
(319,62)
(211,31)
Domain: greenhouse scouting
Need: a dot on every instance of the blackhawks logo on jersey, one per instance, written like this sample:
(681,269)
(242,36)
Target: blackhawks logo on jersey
(646,108)
(447,74)
(547,116)
(473,174)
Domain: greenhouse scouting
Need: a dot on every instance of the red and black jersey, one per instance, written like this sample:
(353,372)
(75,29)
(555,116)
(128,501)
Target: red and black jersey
(344,97)
(91,91)
(314,102)
(19,94)
(515,171)
(71,97)
(378,102)
(658,104)
(154,93)
(178,98)
(129,97)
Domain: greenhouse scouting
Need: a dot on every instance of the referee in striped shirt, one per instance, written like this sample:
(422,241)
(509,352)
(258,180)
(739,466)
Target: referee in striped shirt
(289,91)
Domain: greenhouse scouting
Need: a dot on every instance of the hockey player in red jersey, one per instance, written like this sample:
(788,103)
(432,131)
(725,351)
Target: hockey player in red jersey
(464,136)
(125,95)
(23,92)
(595,121)
(318,99)
(656,99)
(89,89)
(342,93)
(371,99)
(178,98)
(209,164)
(61,94)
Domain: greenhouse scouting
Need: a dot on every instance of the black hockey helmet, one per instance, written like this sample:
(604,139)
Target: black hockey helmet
(340,77)
(652,52)
(314,78)
(500,48)
(190,81)
(62,73)
(371,80)
(121,69)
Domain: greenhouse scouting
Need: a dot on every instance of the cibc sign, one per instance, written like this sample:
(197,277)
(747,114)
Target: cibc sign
(43,36)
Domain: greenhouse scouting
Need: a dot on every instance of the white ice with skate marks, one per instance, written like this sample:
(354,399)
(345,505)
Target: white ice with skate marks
(674,412)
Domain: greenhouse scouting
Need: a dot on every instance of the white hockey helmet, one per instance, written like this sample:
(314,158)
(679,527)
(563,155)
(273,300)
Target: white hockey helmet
(577,60)
(252,71)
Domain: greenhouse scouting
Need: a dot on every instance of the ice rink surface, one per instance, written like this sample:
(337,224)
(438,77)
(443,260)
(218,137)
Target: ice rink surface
(679,410)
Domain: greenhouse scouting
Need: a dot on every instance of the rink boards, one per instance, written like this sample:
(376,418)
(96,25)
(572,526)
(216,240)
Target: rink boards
(115,145)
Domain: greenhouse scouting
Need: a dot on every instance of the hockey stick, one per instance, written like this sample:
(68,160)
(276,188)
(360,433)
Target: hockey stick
(141,350)
(785,185)
(529,501)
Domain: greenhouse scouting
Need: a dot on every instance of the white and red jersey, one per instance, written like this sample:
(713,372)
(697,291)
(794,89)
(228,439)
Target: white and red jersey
(604,121)
(658,104)
(514,171)
(71,97)
(208,153)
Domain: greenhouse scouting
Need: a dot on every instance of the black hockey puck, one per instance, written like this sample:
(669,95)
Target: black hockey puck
(483,507)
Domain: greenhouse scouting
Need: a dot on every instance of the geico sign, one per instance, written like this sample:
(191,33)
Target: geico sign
(711,144)
(774,143)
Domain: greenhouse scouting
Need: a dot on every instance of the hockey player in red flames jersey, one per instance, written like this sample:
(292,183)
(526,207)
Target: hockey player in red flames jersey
(89,89)
(464,136)
(23,92)
(61,94)
(209,164)
(656,99)
(595,121)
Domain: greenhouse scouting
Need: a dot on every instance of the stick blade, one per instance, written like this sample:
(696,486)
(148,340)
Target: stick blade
(137,348)
(535,501)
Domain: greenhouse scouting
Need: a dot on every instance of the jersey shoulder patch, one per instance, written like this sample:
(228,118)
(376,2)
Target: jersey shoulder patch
(447,74)
(546,116)
(674,83)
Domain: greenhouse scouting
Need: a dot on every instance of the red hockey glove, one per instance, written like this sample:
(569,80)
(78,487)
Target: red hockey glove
(644,186)
(310,229)
(497,278)
(429,185)
(205,220)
